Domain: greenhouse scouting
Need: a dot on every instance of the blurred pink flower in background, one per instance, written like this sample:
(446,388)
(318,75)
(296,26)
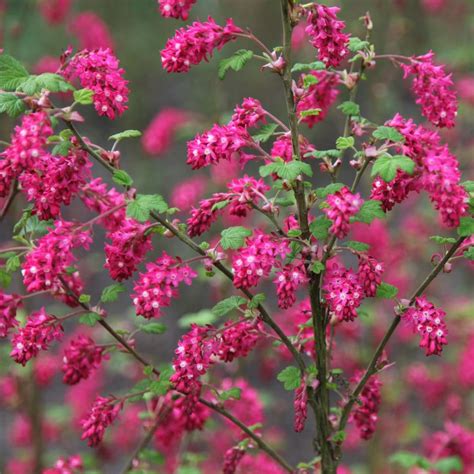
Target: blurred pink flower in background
(91,31)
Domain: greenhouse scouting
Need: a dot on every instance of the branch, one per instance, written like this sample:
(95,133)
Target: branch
(371,369)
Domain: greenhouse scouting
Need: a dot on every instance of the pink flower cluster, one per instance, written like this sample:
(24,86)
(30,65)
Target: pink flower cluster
(127,249)
(8,307)
(249,113)
(237,339)
(102,414)
(428,321)
(282,147)
(243,193)
(232,458)
(91,31)
(155,288)
(365,413)
(256,259)
(176,8)
(434,90)
(342,206)
(325,32)
(160,134)
(99,71)
(48,262)
(188,192)
(370,274)
(38,332)
(287,281)
(301,407)
(70,465)
(196,43)
(54,11)
(81,357)
(317,96)
(343,292)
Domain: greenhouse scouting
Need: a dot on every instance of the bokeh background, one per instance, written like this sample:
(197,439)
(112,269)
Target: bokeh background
(136,32)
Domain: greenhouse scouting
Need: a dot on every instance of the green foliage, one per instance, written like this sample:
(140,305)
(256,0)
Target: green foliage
(323,193)
(125,134)
(286,170)
(122,177)
(153,328)
(203,317)
(143,204)
(442,240)
(342,143)
(236,62)
(257,300)
(310,112)
(317,267)
(357,246)
(386,166)
(111,293)
(319,228)
(89,319)
(265,133)
(234,237)
(349,108)
(388,133)
(466,226)
(84,298)
(11,104)
(469,253)
(314,66)
(334,154)
(369,211)
(407,460)
(48,81)
(385,290)
(12,73)
(84,96)
(233,393)
(290,377)
(356,44)
(228,305)
(309,80)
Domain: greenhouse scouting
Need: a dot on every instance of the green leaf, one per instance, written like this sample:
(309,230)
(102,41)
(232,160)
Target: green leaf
(286,170)
(153,328)
(466,226)
(228,305)
(13,264)
(234,237)
(385,290)
(339,436)
(152,456)
(320,228)
(111,293)
(12,73)
(468,186)
(439,239)
(448,465)
(309,113)
(203,317)
(317,267)
(89,319)
(5,278)
(290,377)
(232,393)
(342,143)
(356,44)
(62,148)
(84,298)
(386,166)
(140,208)
(49,81)
(469,253)
(369,211)
(322,193)
(11,104)
(219,205)
(357,246)
(84,96)
(265,133)
(257,300)
(236,62)
(125,134)
(315,66)
(309,80)
(406,460)
(349,108)
(323,154)
(388,133)
(122,177)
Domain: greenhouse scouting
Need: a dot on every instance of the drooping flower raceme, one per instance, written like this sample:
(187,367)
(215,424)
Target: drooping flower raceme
(99,70)
(9,304)
(249,113)
(369,274)
(158,285)
(428,321)
(287,281)
(301,407)
(176,8)
(325,33)
(91,31)
(196,43)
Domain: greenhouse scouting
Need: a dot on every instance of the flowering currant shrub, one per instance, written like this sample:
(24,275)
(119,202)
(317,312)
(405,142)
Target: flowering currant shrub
(314,275)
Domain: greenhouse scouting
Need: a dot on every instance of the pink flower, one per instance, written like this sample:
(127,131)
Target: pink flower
(343,292)
(8,307)
(342,206)
(47,64)
(237,339)
(196,43)
(434,90)
(434,6)
(232,458)
(298,35)
(99,70)
(465,366)
(369,274)
(249,114)
(81,357)
(155,288)
(128,247)
(317,96)
(70,465)
(221,142)
(91,31)
(365,413)
(395,191)
(428,322)
(176,8)
(186,193)
(287,281)
(256,259)
(300,407)
(465,87)
(325,32)
(282,147)
(159,135)
(102,414)
(54,11)
(39,331)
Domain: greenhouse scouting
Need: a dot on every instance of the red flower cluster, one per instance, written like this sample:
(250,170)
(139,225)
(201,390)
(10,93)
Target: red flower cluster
(301,407)
(232,458)
(54,11)
(342,206)
(249,114)
(176,8)
(287,281)
(196,43)
(369,274)
(8,307)
(155,288)
(70,465)
(91,31)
